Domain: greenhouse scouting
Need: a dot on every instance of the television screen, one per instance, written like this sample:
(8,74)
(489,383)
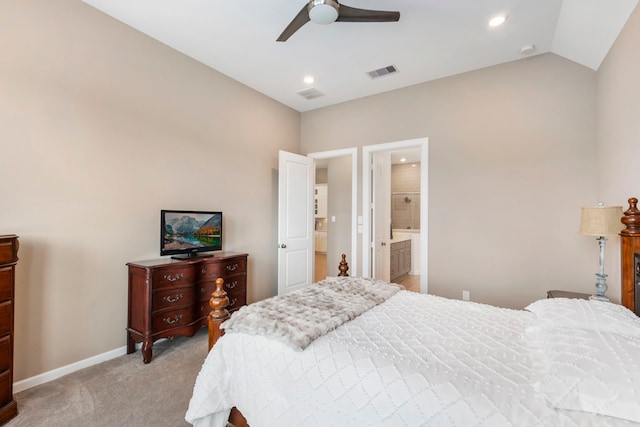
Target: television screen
(186,234)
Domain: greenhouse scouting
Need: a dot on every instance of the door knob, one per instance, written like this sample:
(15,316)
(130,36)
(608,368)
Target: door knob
(283,246)
(384,243)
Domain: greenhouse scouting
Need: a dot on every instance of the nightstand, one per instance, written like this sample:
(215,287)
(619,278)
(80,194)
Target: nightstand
(566,294)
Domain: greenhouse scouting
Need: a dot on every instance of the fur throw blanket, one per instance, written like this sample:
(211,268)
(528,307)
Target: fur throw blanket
(301,316)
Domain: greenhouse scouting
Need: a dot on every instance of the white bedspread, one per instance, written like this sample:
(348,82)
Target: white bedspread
(414,360)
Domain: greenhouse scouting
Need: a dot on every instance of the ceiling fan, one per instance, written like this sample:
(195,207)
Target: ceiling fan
(328,11)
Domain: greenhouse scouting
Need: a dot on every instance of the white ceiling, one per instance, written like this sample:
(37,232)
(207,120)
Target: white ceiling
(433,39)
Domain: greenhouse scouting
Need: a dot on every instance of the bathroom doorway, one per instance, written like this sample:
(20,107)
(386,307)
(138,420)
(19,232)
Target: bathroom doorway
(405,218)
(379,233)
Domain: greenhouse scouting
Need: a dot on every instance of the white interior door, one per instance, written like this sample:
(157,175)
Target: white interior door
(381,197)
(295,221)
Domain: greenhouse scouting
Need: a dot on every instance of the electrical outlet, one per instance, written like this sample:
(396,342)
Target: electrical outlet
(465,295)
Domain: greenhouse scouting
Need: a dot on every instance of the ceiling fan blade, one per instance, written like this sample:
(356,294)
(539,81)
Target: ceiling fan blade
(301,18)
(352,14)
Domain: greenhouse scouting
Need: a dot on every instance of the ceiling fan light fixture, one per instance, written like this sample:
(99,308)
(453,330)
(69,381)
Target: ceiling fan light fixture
(323,11)
(498,20)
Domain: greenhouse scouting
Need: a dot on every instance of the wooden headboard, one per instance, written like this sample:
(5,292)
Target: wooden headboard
(630,257)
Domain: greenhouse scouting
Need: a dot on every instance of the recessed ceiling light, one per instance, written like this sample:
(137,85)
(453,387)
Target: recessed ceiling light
(308,80)
(403,159)
(496,21)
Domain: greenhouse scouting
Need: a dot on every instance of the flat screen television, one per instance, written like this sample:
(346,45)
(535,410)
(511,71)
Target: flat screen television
(190,234)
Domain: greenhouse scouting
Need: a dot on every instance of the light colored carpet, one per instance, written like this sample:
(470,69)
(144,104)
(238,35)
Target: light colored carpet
(120,392)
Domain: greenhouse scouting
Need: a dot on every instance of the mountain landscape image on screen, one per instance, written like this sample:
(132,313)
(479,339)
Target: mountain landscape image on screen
(184,231)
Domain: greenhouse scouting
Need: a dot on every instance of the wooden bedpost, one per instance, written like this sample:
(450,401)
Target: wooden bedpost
(629,247)
(343,266)
(218,302)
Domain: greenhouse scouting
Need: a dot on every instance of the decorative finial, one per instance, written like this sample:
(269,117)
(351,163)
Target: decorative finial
(219,301)
(343,267)
(631,219)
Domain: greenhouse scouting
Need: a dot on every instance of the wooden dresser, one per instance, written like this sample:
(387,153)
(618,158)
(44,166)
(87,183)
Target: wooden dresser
(170,297)
(8,261)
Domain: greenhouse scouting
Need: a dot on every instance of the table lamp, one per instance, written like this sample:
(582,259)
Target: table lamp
(601,221)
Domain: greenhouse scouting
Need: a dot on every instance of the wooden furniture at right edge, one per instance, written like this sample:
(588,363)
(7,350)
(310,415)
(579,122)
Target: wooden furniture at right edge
(630,257)
(8,260)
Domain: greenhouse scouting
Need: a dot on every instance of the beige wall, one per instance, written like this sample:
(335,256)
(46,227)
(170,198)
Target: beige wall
(100,128)
(512,157)
(619,130)
(339,206)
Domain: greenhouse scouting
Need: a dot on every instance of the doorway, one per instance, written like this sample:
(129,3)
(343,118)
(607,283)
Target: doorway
(296,180)
(377,236)
(335,218)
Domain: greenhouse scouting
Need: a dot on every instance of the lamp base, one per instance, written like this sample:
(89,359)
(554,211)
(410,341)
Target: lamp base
(601,282)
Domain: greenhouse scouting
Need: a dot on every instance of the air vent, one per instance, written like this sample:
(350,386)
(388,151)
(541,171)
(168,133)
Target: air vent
(310,93)
(382,71)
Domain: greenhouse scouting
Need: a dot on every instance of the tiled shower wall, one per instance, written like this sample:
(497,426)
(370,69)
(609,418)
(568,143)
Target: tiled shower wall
(405,196)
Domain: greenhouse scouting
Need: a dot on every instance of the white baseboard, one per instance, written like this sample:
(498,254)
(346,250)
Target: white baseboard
(65,370)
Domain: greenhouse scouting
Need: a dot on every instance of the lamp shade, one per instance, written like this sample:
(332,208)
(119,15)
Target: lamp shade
(601,221)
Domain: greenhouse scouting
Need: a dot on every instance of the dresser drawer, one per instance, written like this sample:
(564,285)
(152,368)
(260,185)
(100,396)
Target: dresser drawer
(6,283)
(223,269)
(172,278)
(6,388)
(5,353)
(236,301)
(178,297)
(202,309)
(5,317)
(8,251)
(167,319)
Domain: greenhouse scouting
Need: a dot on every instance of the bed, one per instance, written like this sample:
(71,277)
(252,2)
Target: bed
(630,257)
(420,360)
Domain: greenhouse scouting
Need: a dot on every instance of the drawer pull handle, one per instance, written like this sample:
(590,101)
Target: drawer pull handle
(204,271)
(203,308)
(232,284)
(233,301)
(203,290)
(232,267)
(170,321)
(171,278)
(177,298)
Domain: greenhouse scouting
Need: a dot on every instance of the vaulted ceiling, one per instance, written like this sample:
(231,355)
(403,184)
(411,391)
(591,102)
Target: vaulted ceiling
(431,40)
